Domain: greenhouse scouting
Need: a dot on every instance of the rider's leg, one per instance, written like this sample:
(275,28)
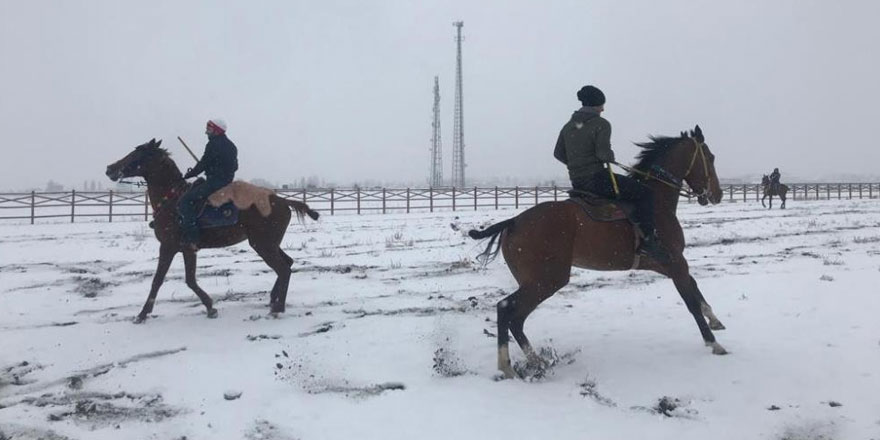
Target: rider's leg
(187,208)
(633,191)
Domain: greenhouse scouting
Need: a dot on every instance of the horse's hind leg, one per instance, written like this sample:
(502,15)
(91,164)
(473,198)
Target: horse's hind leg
(280,263)
(189,262)
(512,314)
(714,322)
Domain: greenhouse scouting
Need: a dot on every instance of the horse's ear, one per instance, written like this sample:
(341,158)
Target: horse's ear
(159,142)
(698,134)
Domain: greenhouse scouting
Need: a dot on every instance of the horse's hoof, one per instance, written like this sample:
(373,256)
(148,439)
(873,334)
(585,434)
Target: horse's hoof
(139,319)
(506,373)
(717,348)
(277,308)
(212,313)
(717,325)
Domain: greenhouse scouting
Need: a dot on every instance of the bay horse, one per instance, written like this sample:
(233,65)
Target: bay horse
(769,191)
(165,185)
(541,244)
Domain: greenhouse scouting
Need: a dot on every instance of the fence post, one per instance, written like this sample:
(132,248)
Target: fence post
(453,199)
(475,198)
(431,198)
(731,193)
(817,191)
(407,200)
(111,206)
(516,196)
(33,204)
(332,201)
(536,196)
(358,200)
(860,191)
(146,205)
(72,204)
(383,200)
(838,191)
(870,190)
(496,197)
(554,193)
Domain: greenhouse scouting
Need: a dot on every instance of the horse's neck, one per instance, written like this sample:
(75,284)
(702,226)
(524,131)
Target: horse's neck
(164,182)
(665,198)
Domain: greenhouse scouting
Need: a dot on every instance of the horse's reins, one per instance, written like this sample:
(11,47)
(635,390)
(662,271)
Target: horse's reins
(669,180)
(137,184)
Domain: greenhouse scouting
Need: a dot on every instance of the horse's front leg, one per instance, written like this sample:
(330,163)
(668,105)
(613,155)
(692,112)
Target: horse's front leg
(714,322)
(687,288)
(189,262)
(166,256)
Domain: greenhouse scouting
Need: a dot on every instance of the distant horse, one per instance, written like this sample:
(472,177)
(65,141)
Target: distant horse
(542,244)
(165,185)
(771,190)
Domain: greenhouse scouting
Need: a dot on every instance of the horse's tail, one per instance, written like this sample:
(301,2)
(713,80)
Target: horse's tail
(301,209)
(492,232)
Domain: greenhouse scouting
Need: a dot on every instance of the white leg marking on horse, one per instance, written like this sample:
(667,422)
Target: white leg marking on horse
(716,348)
(504,362)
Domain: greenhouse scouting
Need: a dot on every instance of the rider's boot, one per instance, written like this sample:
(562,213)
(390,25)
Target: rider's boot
(651,247)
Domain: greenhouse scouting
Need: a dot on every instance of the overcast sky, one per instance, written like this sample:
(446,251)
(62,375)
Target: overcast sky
(343,89)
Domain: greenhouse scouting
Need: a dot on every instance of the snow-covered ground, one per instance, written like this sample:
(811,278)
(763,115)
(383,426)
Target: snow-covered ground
(390,334)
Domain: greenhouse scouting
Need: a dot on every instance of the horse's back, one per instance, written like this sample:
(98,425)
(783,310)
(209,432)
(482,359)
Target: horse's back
(561,232)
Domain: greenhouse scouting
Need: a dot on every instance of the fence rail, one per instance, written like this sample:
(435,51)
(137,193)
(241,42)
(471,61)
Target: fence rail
(113,205)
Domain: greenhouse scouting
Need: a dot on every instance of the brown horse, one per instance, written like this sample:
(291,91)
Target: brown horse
(769,191)
(542,244)
(165,185)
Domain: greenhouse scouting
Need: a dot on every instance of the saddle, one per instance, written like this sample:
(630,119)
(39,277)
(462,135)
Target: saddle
(600,208)
(213,217)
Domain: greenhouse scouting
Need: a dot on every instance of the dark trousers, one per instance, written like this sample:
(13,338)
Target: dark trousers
(631,191)
(189,205)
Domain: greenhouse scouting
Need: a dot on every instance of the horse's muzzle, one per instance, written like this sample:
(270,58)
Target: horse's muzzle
(114,174)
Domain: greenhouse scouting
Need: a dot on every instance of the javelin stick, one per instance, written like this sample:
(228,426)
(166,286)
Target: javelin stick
(187,149)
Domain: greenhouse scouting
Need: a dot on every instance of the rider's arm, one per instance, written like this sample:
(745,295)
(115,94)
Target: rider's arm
(200,167)
(603,143)
(559,152)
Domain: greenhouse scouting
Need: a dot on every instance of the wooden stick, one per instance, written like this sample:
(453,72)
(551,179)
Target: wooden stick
(187,149)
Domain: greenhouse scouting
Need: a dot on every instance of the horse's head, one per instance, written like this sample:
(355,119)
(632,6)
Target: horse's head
(136,163)
(700,174)
(765,180)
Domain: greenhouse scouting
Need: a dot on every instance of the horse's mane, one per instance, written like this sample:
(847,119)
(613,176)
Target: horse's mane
(653,151)
(155,149)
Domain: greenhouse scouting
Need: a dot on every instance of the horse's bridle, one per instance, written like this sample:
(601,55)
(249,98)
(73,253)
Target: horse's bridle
(698,151)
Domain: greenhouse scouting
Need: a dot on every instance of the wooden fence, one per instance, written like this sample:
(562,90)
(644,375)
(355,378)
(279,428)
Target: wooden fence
(113,206)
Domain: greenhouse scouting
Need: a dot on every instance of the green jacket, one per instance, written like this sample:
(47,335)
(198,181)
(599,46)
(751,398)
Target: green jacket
(584,144)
